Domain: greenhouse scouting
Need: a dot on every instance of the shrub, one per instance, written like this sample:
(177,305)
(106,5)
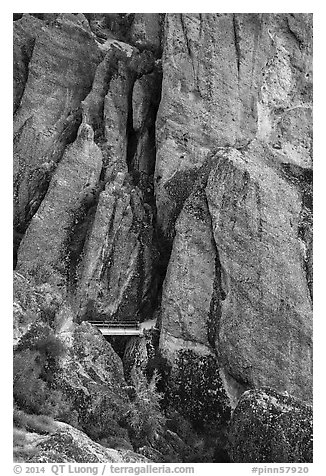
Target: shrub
(31,392)
(144,418)
(23,449)
(162,367)
(116,442)
(41,424)
(35,363)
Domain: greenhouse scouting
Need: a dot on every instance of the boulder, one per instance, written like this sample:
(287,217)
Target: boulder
(265,323)
(69,445)
(269,427)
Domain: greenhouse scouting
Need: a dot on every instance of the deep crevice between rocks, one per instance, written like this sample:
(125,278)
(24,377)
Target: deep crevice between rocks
(215,311)
(142,180)
(302,179)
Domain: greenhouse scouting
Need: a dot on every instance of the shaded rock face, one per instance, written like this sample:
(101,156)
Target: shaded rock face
(146,32)
(268,427)
(163,171)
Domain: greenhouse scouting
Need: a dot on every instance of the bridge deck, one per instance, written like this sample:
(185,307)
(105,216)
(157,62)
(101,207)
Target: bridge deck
(115,328)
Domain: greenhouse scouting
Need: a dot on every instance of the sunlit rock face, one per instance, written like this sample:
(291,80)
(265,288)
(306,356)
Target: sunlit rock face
(163,174)
(265,323)
(227,79)
(239,278)
(60,74)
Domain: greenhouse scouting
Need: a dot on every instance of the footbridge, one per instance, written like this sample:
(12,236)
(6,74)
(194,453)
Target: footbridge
(118,328)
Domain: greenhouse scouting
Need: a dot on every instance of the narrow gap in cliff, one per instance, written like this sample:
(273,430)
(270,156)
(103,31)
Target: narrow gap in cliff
(83,221)
(132,137)
(219,295)
(236,42)
(302,179)
(215,313)
(163,256)
(142,174)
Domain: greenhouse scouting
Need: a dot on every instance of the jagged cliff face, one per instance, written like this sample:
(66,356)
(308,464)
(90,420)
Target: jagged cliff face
(233,193)
(163,170)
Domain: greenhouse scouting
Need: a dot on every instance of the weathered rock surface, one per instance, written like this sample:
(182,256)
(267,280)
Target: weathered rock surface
(32,301)
(116,117)
(265,322)
(91,378)
(267,427)
(116,272)
(212,67)
(147,30)
(261,246)
(69,445)
(228,78)
(45,245)
(60,75)
(187,321)
(25,33)
(163,170)
(122,140)
(87,382)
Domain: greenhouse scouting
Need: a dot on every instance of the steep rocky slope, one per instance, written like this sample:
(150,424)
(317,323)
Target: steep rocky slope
(163,172)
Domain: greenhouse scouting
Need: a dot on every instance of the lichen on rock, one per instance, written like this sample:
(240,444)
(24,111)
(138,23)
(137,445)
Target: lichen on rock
(268,427)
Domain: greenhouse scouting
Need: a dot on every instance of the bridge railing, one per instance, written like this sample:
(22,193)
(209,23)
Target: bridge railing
(115,324)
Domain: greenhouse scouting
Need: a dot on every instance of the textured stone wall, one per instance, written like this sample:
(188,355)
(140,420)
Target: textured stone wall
(163,172)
